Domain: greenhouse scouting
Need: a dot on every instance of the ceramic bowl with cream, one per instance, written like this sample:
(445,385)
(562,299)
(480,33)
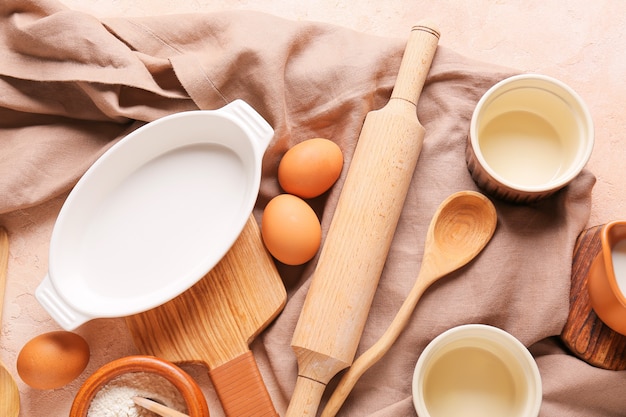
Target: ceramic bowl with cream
(476,370)
(530,135)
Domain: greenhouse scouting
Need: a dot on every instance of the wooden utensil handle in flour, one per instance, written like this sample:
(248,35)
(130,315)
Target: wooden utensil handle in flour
(355,249)
(240,388)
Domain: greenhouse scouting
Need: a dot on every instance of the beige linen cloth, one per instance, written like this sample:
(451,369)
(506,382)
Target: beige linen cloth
(71,85)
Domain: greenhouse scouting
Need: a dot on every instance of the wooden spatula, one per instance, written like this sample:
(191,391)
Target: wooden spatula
(214,322)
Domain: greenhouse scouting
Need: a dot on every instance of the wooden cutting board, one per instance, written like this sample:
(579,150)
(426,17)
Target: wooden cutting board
(214,322)
(584,333)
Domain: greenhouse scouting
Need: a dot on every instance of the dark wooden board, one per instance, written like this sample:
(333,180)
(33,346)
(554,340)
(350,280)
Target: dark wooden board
(584,333)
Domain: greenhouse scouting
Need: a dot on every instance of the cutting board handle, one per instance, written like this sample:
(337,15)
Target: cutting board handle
(241,389)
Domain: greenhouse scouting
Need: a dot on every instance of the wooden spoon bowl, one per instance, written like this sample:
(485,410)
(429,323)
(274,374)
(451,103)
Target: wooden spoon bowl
(464,223)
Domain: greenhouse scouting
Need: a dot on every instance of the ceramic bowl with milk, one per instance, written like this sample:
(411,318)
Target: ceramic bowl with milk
(476,370)
(606,279)
(530,135)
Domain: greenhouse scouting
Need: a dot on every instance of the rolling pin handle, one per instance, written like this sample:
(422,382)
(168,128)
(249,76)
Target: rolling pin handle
(306,397)
(416,63)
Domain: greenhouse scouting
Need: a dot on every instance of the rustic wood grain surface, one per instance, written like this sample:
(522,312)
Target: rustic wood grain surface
(584,333)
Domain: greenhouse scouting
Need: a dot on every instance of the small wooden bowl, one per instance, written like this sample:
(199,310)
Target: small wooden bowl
(189,389)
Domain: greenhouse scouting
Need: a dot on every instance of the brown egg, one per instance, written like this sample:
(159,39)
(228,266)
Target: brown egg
(310,168)
(52,360)
(290,229)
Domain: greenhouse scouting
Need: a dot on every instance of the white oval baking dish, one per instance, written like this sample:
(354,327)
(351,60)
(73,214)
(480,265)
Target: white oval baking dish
(154,214)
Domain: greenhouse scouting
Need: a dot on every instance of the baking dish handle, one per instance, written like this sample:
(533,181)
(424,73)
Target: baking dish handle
(65,315)
(257,126)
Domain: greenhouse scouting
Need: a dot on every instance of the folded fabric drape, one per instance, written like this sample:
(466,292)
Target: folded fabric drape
(72,84)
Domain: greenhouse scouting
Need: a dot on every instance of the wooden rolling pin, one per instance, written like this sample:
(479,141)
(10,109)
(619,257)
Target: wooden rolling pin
(330,325)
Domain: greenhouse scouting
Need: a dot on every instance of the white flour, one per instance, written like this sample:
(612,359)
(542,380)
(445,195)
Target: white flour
(115,399)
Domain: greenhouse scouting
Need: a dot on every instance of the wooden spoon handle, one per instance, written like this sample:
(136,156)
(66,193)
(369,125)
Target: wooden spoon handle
(157,408)
(376,351)
(241,389)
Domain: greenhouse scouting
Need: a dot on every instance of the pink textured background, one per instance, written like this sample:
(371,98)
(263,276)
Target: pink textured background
(578,42)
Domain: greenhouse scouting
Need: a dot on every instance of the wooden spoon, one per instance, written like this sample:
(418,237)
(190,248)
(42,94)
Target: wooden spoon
(462,226)
(9,394)
(157,408)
